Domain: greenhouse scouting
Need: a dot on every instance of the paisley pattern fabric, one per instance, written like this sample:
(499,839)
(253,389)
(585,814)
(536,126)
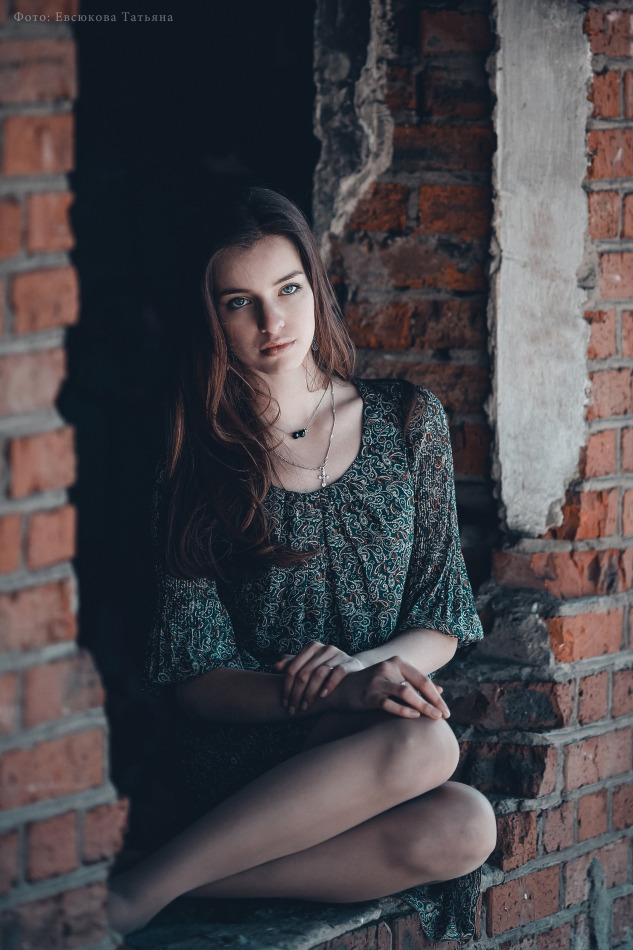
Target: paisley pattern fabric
(389,560)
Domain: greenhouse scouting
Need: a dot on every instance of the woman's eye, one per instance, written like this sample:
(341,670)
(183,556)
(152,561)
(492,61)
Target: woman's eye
(236,303)
(290,289)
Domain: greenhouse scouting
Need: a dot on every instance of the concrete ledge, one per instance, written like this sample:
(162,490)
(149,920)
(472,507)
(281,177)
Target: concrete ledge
(197,924)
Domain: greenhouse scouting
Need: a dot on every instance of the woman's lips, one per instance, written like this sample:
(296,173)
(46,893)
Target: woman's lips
(275,348)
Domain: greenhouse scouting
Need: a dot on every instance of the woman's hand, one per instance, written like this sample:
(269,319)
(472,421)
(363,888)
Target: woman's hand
(395,687)
(315,671)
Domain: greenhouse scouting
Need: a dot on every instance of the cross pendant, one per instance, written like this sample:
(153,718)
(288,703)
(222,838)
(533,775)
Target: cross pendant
(323,476)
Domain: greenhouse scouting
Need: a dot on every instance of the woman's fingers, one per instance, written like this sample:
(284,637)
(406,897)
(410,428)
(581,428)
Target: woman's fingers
(301,669)
(411,697)
(420,692)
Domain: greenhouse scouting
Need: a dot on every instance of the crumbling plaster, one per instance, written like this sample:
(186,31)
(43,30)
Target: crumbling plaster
(538,335)
(353,44)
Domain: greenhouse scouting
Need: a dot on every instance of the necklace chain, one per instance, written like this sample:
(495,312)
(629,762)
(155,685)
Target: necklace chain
(319,468)
(301,433)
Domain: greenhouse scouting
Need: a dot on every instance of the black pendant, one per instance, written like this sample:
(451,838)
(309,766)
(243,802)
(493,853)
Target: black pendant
(299,434)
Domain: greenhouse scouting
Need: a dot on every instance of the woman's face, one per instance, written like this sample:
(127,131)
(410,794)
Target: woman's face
(266,306)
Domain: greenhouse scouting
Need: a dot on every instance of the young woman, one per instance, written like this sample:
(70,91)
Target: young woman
(312,580)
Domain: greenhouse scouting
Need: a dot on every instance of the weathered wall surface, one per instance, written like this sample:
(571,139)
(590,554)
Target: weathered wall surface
(540,339)
(60,821)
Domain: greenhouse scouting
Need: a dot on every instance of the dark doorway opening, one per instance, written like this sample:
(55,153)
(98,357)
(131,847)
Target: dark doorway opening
(172,118)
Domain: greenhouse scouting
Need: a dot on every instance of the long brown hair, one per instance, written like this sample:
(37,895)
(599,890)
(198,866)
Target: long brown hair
(220,464)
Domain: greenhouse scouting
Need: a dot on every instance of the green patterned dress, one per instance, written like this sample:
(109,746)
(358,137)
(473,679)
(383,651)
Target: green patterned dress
(389,560)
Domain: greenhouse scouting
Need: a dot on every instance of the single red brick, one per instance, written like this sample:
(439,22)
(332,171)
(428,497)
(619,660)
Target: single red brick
(523,943)
(10,543)
(382,208)
(527,771)
(463,210)
(592,815)
(407,932)
(622,919)
(592,514)
(471,448)
(585,635)
(611,393)
(442,93)
(42,462)
(604,214)
(379,327)
(616,275)
(627,512)
(51,537)
(595,759)
(37,71)
(10,226)
(30,381)
(58,689)
(103,830)
(622,806)
(557,939)
(413,263)
(516,705)
(598,458)
(46,7)
(440,147)
(399,93)
(9,860)
(52,847)
(594,27)
(522,901)
(614,859)
(592,697)
(611,153)
(45,298)
(9,683)
(516,840)
(36,616)
(627,333)
(627,450)
(568,574)
(602,343)
(623,692)
(449,31)
(628,94)
(606,95)
(618,34)
(444,324)
(559,828)
(627,216)
(35,145)
(72,919)
(48,222)
(51,769)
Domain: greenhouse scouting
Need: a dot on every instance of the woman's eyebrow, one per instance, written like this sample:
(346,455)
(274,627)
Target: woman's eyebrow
(242,290)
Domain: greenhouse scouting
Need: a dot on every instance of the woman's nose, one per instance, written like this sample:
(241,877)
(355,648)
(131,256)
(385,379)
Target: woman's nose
(270,318)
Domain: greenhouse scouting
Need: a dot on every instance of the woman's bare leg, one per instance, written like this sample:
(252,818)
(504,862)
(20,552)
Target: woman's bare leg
(438,836)
(304,801)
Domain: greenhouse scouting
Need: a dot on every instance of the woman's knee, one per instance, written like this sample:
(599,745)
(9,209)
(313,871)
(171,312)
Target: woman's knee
(464,833)
(420,754)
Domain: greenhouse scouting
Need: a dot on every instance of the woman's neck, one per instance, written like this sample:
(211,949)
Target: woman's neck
(296,395)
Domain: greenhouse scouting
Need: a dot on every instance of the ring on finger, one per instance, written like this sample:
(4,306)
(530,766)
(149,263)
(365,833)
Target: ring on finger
(403,683)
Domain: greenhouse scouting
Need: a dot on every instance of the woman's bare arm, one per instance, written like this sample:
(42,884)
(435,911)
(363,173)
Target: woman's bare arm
(427,650)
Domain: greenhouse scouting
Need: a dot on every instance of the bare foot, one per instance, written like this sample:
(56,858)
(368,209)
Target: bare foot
(123,915)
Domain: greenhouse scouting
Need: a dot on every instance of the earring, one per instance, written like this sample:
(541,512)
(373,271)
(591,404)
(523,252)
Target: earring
(315,346)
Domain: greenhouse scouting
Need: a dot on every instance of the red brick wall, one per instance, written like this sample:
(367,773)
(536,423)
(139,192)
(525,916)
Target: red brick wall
(60,821)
